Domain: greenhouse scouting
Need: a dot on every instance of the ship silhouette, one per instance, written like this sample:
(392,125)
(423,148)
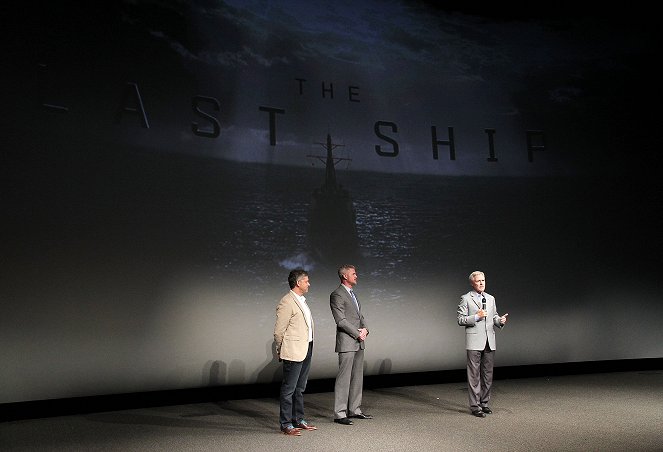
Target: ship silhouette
(332,226)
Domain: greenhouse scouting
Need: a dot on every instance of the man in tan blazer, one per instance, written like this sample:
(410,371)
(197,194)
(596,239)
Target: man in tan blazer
(293,334)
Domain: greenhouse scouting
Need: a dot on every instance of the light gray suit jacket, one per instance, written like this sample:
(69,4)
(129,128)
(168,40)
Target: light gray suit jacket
(476,333)
(348,320)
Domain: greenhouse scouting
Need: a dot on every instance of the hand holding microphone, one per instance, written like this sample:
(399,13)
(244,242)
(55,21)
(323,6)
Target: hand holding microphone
(482,312)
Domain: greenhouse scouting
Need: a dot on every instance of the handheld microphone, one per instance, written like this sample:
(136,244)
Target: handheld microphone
(483,303)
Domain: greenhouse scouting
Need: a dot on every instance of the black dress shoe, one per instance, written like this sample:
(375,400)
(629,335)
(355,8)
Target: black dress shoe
(486,410)
(343,420)
(362,416)
(479,413)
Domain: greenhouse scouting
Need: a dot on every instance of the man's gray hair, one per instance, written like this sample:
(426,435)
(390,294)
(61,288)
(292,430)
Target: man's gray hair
(475,273)
(343,269)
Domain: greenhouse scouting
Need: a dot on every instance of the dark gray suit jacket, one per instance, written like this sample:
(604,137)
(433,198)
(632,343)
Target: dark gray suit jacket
(348,320)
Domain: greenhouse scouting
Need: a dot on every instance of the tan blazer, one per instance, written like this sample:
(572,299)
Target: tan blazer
(291,330)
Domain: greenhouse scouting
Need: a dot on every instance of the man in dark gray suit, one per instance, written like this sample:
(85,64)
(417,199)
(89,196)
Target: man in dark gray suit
(351,332)
(478,314)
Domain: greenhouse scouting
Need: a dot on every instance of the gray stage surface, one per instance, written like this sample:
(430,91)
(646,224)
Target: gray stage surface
(596,412)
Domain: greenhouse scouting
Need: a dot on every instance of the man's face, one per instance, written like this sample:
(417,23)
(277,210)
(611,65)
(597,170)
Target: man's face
(351,276)
(479,282)
(303,284)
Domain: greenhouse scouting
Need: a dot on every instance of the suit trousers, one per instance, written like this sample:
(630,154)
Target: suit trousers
(479,376)
(295,375)
(349,384)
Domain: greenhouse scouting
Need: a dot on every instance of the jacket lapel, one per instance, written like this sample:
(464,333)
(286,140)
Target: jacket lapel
(477,299)
(300,308)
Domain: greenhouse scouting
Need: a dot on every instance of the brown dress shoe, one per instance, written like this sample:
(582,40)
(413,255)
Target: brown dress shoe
(305,425)
(290,430)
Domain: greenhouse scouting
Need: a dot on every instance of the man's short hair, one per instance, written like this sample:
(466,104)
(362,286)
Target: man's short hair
(475,273)
(295,275)
(343,269)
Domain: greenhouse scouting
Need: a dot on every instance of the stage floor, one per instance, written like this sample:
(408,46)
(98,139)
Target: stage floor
(620,411)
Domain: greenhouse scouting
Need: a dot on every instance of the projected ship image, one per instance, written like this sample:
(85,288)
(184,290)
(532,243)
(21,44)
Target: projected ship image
(332,228)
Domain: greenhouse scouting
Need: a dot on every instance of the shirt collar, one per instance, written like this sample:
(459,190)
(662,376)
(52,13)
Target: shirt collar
(300,298)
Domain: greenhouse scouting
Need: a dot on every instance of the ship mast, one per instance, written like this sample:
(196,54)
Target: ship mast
(330,163)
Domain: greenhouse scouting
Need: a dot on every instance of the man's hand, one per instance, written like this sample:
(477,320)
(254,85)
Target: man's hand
(503,319)
(363,332)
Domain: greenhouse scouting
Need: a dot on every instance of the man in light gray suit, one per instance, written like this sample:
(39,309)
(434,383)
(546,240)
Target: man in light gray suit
(478,314)
(351,332)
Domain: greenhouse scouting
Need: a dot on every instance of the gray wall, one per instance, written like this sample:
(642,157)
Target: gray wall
(146,249)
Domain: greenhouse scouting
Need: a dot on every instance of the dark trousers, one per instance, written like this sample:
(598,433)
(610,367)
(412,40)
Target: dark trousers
(295,375)
(479,376)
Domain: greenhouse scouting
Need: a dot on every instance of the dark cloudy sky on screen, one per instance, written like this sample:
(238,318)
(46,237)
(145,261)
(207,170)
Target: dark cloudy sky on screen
(412,65)
(578,79)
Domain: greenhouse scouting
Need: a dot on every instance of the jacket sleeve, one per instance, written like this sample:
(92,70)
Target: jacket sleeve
(283,315)
(464,317)
(496,317)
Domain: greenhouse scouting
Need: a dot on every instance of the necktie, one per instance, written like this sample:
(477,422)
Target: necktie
(354,298)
